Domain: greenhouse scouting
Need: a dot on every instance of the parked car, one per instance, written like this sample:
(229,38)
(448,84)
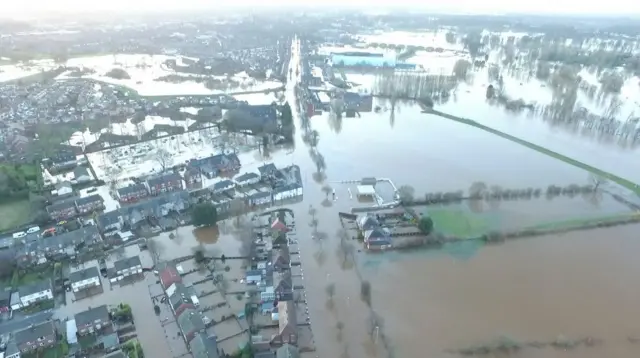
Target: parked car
(33,229)
(20,234)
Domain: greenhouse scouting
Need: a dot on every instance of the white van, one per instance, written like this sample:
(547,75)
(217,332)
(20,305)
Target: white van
(33,229)
(18,235)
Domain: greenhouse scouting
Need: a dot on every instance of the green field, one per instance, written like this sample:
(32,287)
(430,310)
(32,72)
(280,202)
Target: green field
(14,213)
(459,223)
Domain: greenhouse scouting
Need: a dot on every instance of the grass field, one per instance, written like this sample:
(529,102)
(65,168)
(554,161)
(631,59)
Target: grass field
(14,214)
(459,223)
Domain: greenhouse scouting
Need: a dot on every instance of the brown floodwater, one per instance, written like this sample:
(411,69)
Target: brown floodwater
(574,285)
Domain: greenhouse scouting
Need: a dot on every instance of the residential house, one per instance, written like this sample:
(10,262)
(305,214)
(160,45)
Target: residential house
(213,166)
(288,184)
(190,322)
(247,179)
(223,186)
(203,346)
(63,190)
(169,275)
(5,300)
(367,222)
(268,171)
(35,292)
(62,160)
(157,207)
(164,183)
(110,221)
(92,320)
(81,175)
(62,210)
(268,294)
(58,247)
(132,193)
(181,298)
(263,114)
(281,259)
(259,198)
(283,285)
(36,337)
(377,239)
(288,351)
(253,276)
(89,204)
(193,178)
(287,324)
(127,267)
(84,280)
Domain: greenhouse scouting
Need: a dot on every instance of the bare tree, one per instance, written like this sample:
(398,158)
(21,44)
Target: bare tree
(238,207)
(331,290)
(597,180)
(163,158)
(155,249)
(339,328)
(346,250)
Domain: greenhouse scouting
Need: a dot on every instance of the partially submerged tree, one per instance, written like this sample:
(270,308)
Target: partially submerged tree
(204,214)
(461,68)
(365,292)
(406,193)
(425,224)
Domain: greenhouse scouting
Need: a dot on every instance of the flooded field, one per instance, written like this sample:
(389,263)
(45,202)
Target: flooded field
(574,286)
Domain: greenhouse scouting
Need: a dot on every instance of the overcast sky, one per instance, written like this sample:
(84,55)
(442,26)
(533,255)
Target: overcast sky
(626,7)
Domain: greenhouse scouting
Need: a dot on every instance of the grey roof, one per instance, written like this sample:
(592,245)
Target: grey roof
(282,280)
(223,184)
(216,161)
(203,346)
(31,334)
(131,189)
(35,287)
(259,195)
(62,205)
(287,351)
(246,177)
(84,274)
(108,218)
(190,321)
(116,354)
(181,295)
(91,315)
(87,235)
(89,199)
(164,178)
(80,171)
(267,169)
(64,184)
(127,263)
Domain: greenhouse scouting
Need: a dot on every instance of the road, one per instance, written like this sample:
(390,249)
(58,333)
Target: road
(17,324)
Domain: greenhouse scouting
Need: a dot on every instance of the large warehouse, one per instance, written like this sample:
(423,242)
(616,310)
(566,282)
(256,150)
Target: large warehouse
(352,58)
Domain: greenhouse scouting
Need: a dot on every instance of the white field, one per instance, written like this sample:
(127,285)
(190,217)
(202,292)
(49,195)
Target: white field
(143,70)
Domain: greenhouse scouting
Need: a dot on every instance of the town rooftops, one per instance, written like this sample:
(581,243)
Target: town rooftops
(164,178)
(135,188)
(84,274)
(91,315)
(89,199)
(190,321)
(85,236)
(203,346)
(127,263)
(268,169)
(33,333)
(62,205)
(35,287)
(169,275)
(80,171)
(246,177)
(287,316)
(223,185)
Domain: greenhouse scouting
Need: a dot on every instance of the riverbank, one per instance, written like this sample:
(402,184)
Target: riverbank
(605,175)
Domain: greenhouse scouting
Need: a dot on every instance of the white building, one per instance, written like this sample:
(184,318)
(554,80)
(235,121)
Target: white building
(34,293)
(85,279)
(125,268)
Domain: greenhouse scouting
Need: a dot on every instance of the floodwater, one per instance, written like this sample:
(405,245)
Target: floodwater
(574,285)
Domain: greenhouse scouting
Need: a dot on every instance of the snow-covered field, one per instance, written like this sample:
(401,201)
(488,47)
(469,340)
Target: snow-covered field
(13,72)
(149,157)
(145,69)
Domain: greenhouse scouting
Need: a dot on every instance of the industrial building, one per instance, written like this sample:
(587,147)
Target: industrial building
(366,59)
